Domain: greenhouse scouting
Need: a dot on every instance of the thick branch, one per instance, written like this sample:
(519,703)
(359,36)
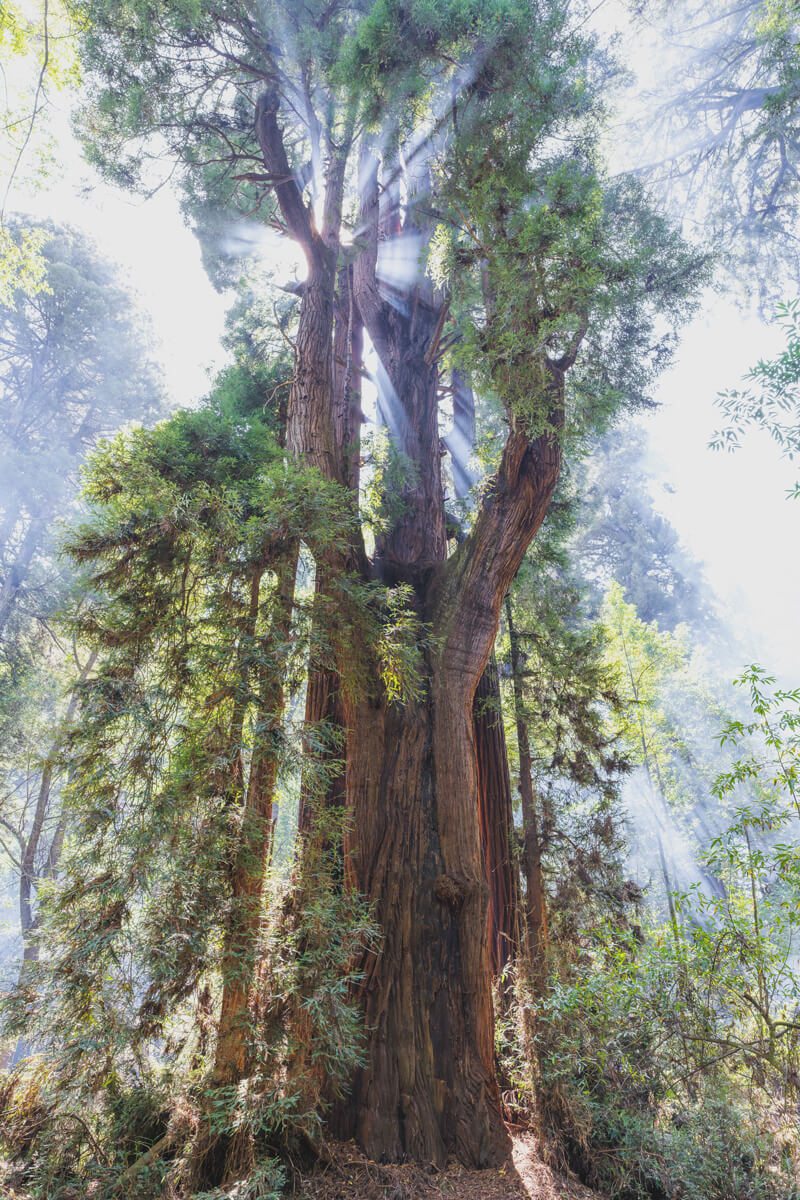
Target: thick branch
(373,308)
(477,577)
(287,191)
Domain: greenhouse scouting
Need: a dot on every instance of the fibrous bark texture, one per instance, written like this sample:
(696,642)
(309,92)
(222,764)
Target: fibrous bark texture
(496,816)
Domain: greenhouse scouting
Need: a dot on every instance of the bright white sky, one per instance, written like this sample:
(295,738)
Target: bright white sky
(730,510)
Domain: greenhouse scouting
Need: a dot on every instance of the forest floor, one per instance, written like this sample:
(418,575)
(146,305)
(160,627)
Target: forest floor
(348,1175)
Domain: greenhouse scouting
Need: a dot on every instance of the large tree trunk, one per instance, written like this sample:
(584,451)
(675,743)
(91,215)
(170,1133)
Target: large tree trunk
(412,776)
(416,853)
(429,1089)
(415,848)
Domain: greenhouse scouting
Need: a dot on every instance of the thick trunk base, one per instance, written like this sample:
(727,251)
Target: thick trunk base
(429,1091)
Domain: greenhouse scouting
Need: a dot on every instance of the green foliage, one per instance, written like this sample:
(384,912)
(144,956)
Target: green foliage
(552,261)
(772,402)
(21,264)
(183,555)
(636,1086)
(666,1063)
(267,1181)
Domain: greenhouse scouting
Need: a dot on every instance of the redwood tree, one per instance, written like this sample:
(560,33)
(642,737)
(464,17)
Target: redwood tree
(458,139)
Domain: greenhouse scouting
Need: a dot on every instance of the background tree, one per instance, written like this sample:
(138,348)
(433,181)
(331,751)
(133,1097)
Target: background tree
(620,535)
(73,366)
(726,147)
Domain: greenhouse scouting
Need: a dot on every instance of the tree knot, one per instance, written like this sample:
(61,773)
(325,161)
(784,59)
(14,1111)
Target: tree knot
(450,890)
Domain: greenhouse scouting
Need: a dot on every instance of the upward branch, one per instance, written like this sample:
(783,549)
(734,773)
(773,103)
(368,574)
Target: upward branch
(295,211)
(479,574)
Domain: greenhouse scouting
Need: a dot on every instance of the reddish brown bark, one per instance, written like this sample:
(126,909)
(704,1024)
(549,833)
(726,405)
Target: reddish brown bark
(535,893)
(496,817)
(324,714)
(429,1089)
(310,431)
(412,785)
(412,774)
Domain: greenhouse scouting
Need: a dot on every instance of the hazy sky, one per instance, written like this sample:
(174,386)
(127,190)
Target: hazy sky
(730,510)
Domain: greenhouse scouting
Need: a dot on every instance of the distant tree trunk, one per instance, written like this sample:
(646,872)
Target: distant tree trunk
(18,572)
(28,876)
(535,895)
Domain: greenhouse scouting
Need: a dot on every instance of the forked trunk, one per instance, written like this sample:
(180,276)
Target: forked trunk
(429,1088)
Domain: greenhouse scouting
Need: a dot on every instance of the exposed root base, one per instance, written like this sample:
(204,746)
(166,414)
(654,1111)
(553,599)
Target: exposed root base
(346,1174)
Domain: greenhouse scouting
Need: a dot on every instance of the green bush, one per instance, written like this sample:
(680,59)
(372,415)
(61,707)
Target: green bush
(639,1093)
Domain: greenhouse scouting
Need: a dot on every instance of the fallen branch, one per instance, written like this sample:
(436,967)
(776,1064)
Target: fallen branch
(148,1157)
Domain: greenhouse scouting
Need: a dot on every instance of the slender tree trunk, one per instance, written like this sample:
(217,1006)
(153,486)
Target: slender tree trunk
(496,817)
(535,894)
(28,874)
(324,714)
(227,1157)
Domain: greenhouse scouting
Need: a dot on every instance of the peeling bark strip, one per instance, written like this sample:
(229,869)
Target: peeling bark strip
(496,815)
(535,894)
